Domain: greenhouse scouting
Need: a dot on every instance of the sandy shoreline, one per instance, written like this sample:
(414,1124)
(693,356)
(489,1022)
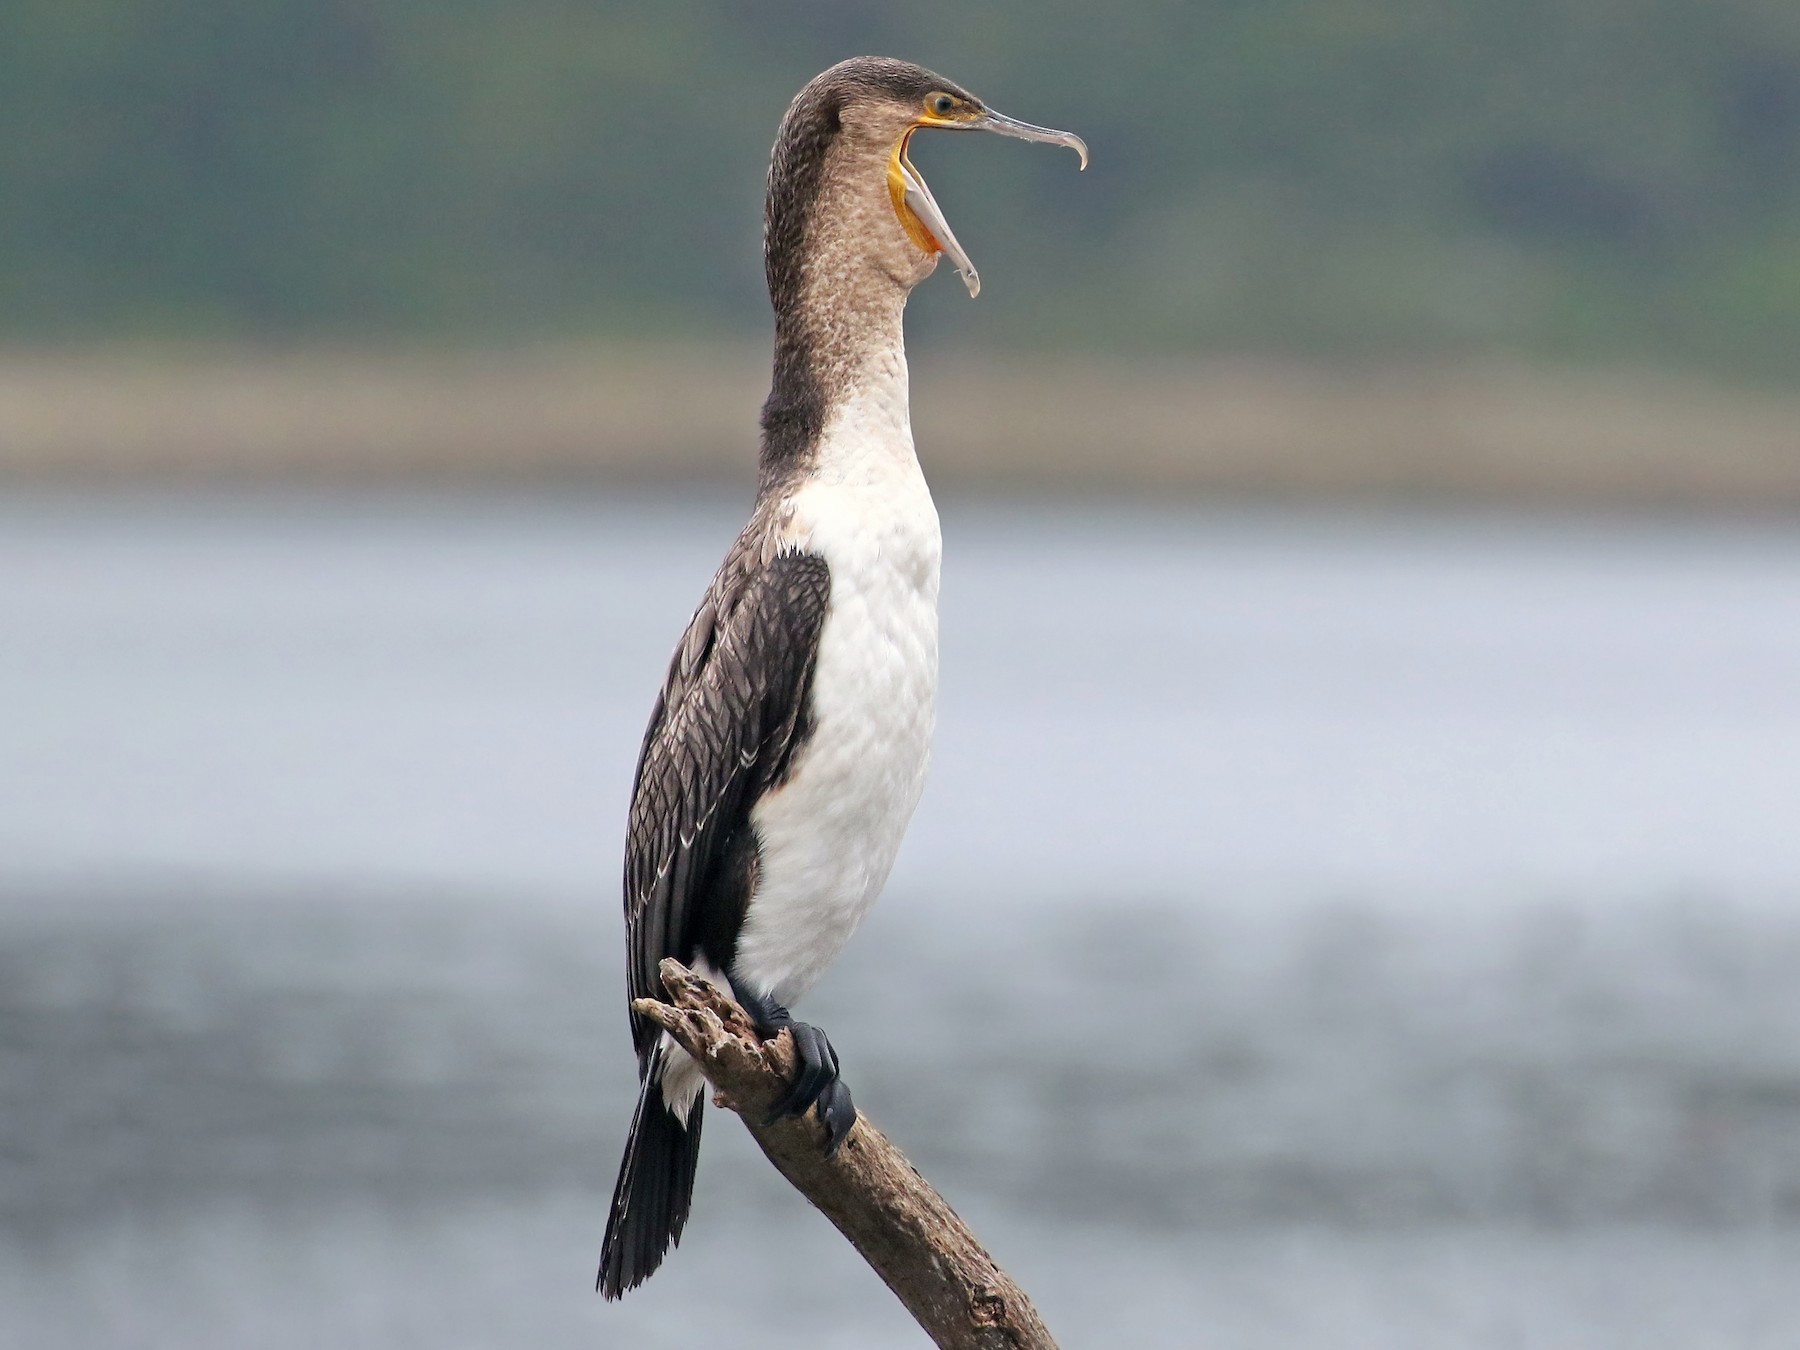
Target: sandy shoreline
(1491,432)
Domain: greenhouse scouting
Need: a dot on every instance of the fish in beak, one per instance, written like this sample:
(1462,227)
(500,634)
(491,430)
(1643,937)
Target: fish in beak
(918,209)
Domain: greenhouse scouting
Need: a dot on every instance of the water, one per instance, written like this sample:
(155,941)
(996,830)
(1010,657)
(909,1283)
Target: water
(451,692)
(1356,931)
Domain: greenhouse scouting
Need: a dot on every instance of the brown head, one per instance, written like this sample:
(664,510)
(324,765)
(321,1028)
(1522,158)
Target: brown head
(841,183)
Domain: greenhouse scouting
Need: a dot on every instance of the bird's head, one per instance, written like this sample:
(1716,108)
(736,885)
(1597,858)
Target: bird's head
(842,185)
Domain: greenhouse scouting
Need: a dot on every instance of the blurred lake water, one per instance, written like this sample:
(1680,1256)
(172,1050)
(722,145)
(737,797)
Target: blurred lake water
(1321,929)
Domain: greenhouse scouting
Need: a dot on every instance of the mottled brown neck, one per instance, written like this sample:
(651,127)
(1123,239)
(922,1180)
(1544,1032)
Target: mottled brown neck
(839,267)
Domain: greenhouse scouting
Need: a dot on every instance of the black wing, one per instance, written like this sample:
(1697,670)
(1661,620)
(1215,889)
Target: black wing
(729,717)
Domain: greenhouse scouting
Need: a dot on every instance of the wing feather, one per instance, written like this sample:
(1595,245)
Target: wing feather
(725,725)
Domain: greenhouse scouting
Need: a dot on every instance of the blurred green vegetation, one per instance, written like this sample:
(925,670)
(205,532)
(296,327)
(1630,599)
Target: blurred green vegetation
(1595,179)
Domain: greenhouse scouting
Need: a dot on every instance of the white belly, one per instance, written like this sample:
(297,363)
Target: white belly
(829,834)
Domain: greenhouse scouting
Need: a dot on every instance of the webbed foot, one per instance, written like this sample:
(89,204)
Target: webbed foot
(816,1080)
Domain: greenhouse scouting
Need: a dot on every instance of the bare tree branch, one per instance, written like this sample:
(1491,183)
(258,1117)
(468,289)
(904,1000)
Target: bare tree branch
(877,1199)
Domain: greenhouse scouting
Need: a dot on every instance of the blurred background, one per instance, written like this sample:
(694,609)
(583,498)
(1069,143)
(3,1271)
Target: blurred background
(1357,900)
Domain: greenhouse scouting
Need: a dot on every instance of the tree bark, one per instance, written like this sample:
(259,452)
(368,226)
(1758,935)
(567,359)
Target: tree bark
(875,1197)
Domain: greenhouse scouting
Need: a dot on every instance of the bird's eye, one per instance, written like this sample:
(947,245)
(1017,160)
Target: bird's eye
(942,104)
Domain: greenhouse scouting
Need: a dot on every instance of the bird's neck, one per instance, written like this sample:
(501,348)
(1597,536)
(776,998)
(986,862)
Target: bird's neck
(840,349)
(832,366)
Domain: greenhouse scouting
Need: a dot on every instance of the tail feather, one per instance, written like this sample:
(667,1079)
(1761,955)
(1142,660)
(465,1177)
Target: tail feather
(654,1191)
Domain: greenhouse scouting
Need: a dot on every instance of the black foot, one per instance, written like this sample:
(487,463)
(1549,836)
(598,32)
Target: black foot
(816,1081)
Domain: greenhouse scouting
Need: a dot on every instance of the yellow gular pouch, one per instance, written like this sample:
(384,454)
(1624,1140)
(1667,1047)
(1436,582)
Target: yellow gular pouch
(900,170)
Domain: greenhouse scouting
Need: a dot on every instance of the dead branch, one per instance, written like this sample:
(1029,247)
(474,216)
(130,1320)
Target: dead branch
(877,1199)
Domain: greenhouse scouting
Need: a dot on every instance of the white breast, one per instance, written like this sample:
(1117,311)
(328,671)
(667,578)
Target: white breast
(829,834)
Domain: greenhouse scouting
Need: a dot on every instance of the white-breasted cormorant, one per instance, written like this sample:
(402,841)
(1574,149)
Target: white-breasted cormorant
(788,747)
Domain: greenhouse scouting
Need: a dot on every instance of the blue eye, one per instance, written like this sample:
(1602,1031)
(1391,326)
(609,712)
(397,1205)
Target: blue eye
(942,104)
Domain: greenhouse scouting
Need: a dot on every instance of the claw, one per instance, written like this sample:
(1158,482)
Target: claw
(838,1114)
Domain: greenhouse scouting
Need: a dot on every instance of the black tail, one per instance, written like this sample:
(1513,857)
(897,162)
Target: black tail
(654,1191)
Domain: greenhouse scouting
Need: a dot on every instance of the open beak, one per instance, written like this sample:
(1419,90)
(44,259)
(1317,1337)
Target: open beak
(912,198)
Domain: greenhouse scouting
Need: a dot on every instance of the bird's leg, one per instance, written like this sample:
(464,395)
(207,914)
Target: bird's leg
(816,1080)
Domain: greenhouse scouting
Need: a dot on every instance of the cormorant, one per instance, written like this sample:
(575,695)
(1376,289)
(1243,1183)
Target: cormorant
(788,747)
